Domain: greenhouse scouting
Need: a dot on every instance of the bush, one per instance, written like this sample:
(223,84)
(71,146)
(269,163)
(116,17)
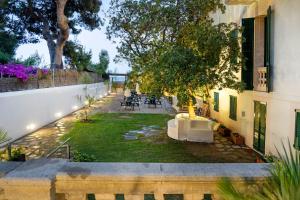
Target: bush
(17,154)
(83,157)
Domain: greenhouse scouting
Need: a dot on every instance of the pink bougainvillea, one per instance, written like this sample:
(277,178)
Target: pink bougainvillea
(20,71)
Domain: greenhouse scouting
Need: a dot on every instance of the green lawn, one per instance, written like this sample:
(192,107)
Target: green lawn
(104,138)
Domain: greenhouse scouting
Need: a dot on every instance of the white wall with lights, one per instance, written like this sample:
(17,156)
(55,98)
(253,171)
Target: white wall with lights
(23,112)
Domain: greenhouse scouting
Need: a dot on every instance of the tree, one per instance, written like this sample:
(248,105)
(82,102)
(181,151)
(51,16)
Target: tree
(33,60)
(177,44)
(283,183)
(8,43)
(76,56)
(102,66)
(51,20)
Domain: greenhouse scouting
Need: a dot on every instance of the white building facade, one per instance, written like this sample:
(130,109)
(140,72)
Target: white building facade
(268,111)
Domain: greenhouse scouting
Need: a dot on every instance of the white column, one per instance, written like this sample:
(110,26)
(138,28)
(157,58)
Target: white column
(105,196)
(134,197)
(75,196)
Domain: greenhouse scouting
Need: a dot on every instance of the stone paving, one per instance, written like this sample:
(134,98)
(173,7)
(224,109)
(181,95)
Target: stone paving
(42,142)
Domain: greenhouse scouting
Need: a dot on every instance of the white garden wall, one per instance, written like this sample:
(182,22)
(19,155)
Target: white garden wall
(23,112)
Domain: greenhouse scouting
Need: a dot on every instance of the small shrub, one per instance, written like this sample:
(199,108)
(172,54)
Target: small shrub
(270,158)
(83,157)
(17,154)
(3,136)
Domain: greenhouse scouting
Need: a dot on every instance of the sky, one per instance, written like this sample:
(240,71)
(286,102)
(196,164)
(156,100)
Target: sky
(95,41)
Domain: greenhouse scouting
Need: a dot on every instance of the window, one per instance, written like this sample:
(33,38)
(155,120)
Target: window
(248,52)
(233,107)
(207,197)
(173,196)
(149,197)
(120,197)
(297,131)
(216,101)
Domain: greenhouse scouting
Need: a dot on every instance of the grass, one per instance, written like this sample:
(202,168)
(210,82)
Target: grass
(104,139)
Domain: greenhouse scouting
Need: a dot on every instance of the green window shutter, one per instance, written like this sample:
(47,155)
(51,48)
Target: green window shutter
(268,35)
(233,108)
(297,131)
(248,52)
(216,101)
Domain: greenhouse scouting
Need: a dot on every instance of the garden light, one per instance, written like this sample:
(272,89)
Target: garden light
(59,114)
(30,127)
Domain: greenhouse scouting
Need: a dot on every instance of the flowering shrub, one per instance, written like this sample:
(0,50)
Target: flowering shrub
(20,71)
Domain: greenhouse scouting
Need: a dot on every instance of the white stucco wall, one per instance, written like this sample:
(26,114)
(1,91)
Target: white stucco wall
(25,111)
(285,98)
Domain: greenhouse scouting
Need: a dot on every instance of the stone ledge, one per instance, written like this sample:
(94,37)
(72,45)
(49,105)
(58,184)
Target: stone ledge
(46,178)
(162,171)
(6,167)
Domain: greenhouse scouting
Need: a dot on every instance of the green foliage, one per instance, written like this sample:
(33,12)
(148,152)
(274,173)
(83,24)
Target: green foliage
(33,60)
(90,100)
(284,182)
(8,46)
(37,16)
(3,136)
(183,98)
(82,157)
(102,66)
(179,51)
(17,154)
(76,56)
(85,78)
(33,20)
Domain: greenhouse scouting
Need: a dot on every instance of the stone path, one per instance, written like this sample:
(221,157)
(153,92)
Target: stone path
(115,106)
(41,142)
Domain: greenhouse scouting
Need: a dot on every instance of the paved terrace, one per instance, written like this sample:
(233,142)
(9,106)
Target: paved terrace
(62,180)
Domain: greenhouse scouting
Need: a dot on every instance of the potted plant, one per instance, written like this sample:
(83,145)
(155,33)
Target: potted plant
(225,132)
(237,139)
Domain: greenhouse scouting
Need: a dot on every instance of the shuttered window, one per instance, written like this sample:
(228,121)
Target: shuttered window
(216,101)
(248,52)
(233,107)
(297,131)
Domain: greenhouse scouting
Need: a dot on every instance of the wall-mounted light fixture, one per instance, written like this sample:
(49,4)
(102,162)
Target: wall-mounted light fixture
(30,127)
(58,114)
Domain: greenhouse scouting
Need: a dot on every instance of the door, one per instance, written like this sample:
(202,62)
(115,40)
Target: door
(260,114)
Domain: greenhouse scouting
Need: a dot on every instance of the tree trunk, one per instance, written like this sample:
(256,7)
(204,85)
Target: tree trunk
(51,48)
(50,42)
(192,114)
(62,22)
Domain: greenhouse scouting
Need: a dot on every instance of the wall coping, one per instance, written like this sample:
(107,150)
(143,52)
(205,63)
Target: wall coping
(44,90)
(62,170)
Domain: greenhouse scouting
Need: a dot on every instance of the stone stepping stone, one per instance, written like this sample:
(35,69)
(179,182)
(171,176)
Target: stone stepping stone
(219,145)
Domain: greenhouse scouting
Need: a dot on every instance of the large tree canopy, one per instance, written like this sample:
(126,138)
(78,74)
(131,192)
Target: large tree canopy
(76,56)
(51,20)
(9,41)
(102,66)
(177,45)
